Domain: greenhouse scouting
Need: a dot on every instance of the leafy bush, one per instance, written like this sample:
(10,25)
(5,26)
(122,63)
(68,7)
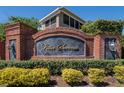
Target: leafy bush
(96,75)
(55,66)
(103,27)
(3,64)
(33,22)
(121,62)
(36,77)
(72,76)
(24,77)
(119,73)
(2,32)
(9,76)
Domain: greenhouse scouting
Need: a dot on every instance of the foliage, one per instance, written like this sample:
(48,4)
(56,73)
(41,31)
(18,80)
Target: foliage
(33,22)
(3,64)
(56,66)
(36,77)
(24,77)
(9,76)
(96,75)
(72,76)
(122,42)
(2,32)
(103,27)
(90,28)
(119,73)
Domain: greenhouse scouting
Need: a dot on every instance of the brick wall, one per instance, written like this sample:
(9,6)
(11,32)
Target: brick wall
(22,33)
(63,31)
(2,50)
(26,37)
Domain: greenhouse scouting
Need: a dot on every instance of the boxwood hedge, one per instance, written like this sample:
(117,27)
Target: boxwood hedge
(72,76)
(56,67)
(14,77)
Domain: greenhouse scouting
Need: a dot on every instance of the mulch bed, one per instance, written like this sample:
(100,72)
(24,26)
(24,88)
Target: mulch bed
(57,81)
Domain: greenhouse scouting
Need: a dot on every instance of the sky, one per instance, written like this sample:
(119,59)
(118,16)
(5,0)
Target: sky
(85,12)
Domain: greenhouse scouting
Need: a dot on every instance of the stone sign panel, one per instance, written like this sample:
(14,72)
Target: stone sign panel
(60,45)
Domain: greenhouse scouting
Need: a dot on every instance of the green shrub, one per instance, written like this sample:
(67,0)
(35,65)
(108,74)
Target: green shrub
(56,66)
(24,77)
(9,76)
(3,64)
(36,77)
(102,26)
(119,73)
(96,75)
(121,62)
(72,76)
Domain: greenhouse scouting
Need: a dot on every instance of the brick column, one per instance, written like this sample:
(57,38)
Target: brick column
(22,33)
(98,47)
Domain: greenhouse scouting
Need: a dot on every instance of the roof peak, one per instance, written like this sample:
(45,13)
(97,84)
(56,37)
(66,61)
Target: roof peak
(61,8)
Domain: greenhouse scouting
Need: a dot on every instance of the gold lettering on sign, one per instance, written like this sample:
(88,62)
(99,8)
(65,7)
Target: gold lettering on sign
(47,47)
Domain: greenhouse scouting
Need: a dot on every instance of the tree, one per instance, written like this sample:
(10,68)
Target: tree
(33,22)
(2,32)
(89,27)
(103,26)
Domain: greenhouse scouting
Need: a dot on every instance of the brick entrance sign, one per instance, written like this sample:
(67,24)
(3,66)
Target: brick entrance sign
(58,37)
(24,42)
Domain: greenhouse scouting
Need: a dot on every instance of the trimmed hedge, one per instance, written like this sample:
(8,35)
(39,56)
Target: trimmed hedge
(56,67)
(119,73)
(72,76)
(10,76)
(35,77)
(24,77)
(96,75)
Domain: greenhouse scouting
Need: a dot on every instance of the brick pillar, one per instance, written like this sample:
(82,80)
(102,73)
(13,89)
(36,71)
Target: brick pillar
(89,48)
(98,47)
(22,34)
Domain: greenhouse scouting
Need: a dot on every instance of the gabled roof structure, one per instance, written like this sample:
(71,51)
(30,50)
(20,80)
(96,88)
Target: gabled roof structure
(61,9)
